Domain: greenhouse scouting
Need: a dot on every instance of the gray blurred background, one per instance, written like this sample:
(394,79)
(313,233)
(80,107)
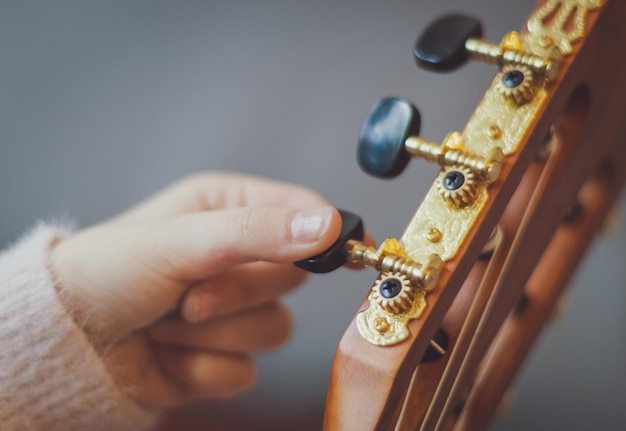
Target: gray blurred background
(103,103)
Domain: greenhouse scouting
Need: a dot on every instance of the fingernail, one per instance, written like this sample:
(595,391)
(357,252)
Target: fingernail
(308,225)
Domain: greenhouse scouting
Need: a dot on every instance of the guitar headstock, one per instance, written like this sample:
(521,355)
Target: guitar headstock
(480,266)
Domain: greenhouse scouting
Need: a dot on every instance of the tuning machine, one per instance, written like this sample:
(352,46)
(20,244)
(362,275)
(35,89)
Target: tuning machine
(399,295)
(389,138)
(452,40)
(389,257)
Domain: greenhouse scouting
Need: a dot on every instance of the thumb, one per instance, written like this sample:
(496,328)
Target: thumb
(198,245)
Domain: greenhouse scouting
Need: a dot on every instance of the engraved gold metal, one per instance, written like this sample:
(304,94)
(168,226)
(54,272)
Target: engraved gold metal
(548,26)
(385,320)
(491,115)
(453,223)
(384,329)
(511,120)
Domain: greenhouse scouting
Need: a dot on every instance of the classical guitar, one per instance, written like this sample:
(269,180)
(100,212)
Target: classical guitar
(463,293)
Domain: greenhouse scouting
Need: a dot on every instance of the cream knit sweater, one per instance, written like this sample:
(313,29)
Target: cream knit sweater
(51,378)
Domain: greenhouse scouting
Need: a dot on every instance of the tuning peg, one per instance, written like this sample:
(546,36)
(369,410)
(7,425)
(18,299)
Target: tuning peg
(381,149)
(451,40)
(441,47)
(335,256)
(389,139)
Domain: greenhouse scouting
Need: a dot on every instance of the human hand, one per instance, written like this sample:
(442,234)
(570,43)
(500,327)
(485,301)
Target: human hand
(180,290)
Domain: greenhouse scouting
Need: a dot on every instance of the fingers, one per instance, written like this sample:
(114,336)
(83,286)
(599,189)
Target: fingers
(212,359)
(163,376)
(198,245)
(121,277)
(208,374)
(134,365)
(254,330)
(247,286)
(211,191)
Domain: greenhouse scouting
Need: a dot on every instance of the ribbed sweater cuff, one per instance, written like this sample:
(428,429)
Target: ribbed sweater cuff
(51,377)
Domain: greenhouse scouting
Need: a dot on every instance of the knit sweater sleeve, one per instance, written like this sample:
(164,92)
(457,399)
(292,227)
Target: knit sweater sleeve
(51,378)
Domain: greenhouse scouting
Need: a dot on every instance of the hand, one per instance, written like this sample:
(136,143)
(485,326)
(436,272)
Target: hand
(180,290)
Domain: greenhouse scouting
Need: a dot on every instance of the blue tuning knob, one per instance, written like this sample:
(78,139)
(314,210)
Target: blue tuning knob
(441,47)
(381,149)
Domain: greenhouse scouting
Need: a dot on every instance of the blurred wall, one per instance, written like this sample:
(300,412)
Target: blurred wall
(103,103)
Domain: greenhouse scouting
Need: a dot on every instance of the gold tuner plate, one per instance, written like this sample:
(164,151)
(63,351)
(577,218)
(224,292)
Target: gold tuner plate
(394,301)
(557,25)
(399,295)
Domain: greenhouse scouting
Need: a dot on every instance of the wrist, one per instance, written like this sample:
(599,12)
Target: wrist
(73,292)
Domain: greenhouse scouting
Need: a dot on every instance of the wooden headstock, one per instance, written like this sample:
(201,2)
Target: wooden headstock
(546,136)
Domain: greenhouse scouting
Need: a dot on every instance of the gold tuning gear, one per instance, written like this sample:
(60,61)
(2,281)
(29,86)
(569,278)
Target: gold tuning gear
(393,293)
(457,185)
(517,83)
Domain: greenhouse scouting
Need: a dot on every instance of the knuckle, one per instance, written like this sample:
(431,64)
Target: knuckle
(246,225)
(209,189)
(252,224)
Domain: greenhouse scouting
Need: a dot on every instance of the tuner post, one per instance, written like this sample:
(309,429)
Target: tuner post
(391,258)
(452,153)
(450,41)
(511,52)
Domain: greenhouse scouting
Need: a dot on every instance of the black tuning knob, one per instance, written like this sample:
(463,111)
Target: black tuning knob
(335,256)
(381,149)
(441,47)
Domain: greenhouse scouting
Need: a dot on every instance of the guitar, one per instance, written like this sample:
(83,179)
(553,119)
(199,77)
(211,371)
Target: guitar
(463,294)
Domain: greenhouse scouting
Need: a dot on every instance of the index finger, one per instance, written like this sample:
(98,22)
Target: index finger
(219,190)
